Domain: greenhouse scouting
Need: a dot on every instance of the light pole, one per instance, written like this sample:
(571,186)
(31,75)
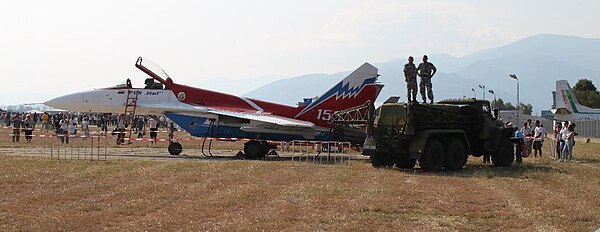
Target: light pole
(474,94)
(492,92)
(513,76)
(483,88)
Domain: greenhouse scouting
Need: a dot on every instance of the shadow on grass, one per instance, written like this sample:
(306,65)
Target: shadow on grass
(588,161)
(480,170)
(322,159)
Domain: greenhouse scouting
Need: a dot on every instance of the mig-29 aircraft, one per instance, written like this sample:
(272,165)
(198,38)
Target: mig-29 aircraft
(205,113)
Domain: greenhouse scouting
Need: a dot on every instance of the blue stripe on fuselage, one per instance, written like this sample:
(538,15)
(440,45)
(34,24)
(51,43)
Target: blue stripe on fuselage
(199,127)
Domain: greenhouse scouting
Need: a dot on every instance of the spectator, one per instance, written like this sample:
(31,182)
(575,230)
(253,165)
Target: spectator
(121,129)
(72,125)
(539,136)
(140,127)
(85,127)
(45,120)
(103,125)
(63,130)
(568,148)
(35,118)
(17,123)
(7,120)
(563,134)
(556,141)
(518,144)
(171,130)
(153,129)
(528,135)
(29,126)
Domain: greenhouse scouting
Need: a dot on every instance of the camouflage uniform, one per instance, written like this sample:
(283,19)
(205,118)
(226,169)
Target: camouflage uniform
(410,76)
(425,73)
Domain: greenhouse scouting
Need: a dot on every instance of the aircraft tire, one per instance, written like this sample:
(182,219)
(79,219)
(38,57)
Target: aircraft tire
(255,149)
(175,148)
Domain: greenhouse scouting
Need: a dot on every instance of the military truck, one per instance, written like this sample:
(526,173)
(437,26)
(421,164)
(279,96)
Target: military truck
(440,136)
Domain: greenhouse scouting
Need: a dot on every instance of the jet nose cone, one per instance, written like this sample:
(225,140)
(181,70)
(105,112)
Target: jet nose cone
(67,102)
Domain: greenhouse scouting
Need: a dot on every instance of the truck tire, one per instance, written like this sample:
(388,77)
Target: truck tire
(456,155)
(406,163)
(433,158)
(381,160)
(504,157)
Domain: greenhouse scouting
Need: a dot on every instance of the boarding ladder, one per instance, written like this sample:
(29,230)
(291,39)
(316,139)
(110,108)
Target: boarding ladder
(130,107)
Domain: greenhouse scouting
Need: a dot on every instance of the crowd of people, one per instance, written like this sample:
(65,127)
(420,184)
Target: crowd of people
(67,124)
(531,137)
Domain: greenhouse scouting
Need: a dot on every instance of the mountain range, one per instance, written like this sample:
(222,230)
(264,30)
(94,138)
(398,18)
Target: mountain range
(538,61)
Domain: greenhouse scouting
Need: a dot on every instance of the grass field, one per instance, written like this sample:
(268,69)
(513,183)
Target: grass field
(40,194)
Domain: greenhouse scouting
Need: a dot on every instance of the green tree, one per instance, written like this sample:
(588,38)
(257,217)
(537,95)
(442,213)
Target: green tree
(526,108)
(586,93)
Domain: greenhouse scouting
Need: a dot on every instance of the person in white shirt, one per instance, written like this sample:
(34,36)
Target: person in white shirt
(85,127)
(64,130)
(538,138)
(563,135)
(153,124)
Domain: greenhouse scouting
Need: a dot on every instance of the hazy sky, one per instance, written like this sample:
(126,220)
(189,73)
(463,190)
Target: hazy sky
(49,48)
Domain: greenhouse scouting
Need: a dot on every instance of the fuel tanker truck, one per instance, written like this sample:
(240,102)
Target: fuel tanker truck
(439,136)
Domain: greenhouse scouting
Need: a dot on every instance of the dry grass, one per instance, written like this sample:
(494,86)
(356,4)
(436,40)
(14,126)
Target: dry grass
(40,194)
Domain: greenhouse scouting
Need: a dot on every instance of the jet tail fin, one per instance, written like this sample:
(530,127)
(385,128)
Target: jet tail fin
(354,90)
(566,99)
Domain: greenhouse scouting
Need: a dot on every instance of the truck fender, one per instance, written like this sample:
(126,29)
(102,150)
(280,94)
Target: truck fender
(417,145)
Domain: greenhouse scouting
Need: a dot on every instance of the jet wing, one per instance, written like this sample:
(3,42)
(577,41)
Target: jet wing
(268,118)
(202,111)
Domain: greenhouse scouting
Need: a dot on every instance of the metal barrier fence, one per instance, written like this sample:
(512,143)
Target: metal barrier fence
(587,128)
(324,152)
(95,149)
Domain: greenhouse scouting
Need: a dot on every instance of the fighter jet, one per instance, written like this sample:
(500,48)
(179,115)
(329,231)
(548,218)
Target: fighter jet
(205,113)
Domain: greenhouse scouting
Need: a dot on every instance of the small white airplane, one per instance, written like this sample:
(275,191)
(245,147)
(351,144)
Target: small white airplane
(567,106)
(205,113)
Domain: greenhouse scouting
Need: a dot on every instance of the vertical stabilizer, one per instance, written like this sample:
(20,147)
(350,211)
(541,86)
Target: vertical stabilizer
(356,89)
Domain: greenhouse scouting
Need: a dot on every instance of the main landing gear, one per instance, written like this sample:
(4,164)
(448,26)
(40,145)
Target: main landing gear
(252,149)
(256,149)
(175,148)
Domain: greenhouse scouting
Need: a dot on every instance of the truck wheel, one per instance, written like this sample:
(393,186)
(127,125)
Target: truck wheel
(504,157)
(456,156)
(406,163)
(433,158)
(381,160)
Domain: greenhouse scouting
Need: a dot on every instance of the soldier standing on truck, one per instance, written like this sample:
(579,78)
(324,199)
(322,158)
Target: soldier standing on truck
(410,76)
(426,71)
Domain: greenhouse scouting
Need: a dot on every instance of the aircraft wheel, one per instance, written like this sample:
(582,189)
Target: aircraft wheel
(456,156)
(256,149)
(175,148)
(433,158)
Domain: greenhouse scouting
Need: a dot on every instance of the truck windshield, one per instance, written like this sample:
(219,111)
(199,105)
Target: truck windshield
(486,108)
